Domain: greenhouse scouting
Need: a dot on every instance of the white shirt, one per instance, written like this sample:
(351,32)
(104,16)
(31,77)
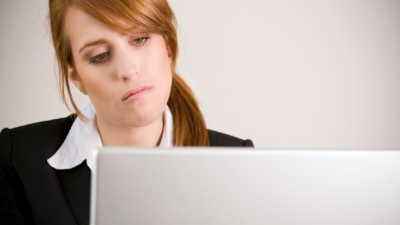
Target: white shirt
(84,137)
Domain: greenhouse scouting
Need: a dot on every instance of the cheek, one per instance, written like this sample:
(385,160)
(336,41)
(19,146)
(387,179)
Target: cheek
(164,80)
(97,84)
(159,69)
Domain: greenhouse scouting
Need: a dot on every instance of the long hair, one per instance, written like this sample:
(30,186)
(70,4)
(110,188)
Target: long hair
(153,16)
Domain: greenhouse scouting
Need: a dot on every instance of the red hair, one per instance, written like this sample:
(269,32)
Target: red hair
(153,16)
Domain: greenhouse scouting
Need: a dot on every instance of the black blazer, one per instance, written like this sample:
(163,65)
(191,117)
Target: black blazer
(32,192)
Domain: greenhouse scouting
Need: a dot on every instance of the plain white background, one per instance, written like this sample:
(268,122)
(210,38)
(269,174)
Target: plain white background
(286,74)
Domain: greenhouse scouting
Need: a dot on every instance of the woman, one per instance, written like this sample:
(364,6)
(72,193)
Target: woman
(122,54)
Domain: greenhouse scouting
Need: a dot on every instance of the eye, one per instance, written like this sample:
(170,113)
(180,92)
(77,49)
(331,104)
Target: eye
(140,41)
(99,58)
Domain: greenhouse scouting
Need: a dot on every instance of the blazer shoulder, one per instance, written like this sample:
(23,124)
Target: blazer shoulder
(35,140)
(44,125)
(29,186)
(220,139)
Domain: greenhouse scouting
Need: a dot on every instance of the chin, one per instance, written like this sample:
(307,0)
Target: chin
(140,121)
(141,118)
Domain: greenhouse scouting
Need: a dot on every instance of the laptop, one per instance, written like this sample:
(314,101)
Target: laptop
(237,186)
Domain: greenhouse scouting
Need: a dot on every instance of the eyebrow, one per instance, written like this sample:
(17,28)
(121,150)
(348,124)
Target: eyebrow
(93,43)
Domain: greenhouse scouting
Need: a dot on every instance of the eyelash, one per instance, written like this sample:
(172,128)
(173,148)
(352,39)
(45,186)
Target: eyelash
(93,60)
(141,44)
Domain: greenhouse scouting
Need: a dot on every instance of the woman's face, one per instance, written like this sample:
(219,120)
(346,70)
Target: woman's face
(127,77)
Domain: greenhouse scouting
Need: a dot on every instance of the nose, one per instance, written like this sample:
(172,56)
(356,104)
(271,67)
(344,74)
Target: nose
(127,65)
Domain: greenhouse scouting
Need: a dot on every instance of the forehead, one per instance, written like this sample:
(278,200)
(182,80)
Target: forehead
(81,27)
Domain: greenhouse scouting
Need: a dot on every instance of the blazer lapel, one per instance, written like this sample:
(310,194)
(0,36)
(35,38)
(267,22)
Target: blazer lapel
(75,184)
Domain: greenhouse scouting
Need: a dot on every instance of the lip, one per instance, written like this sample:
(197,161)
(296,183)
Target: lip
(136,94)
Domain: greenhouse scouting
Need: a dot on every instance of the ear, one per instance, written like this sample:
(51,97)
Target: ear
(74,77)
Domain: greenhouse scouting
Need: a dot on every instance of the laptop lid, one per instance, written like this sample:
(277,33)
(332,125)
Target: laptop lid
(232,186)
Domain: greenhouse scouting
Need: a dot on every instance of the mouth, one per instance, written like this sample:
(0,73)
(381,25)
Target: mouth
(136,94)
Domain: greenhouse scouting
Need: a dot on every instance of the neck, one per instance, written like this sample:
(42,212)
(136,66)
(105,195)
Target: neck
(114,135)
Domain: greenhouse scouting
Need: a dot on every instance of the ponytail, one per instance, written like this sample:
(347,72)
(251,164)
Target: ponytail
(189,124)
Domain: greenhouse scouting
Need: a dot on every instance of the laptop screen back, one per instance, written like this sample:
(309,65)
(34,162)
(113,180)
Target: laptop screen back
(232,186)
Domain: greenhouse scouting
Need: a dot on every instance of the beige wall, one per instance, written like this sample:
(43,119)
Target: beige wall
(287,74)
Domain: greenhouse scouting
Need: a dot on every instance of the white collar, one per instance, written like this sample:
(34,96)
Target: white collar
(84,137)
